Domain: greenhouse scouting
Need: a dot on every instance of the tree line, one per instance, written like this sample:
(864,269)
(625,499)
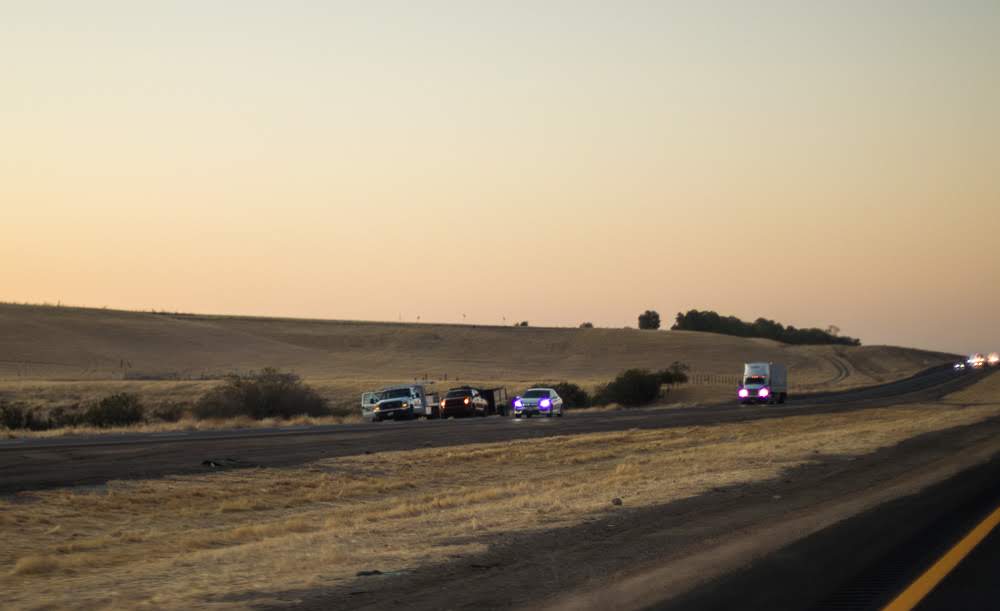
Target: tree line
(712,322)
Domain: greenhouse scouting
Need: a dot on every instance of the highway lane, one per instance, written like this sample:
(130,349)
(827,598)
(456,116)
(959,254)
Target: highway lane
(27,464)
(973,584)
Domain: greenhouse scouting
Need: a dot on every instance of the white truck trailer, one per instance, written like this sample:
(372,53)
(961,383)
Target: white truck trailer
(763,383)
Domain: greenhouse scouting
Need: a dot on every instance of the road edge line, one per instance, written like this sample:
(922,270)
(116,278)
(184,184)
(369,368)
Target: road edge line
(923,585)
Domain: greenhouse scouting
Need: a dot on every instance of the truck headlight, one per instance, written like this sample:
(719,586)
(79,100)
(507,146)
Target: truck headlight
(763,392)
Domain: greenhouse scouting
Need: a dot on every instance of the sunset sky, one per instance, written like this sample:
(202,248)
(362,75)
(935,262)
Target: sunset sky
(557,162)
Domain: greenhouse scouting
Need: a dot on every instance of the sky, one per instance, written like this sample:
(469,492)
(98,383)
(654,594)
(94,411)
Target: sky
(491,162)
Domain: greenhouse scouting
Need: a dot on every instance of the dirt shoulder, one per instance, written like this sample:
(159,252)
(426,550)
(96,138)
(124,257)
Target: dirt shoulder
(632,558)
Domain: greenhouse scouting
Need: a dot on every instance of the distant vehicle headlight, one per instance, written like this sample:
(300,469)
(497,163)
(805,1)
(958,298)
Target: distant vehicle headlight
(993,358)
(517,403)
(545,403)
(442,402)
(744,393)
(466,401)
(405,405)
(763,392)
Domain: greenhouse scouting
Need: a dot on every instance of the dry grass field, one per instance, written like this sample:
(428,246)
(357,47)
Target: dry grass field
(231,538)
(56,356)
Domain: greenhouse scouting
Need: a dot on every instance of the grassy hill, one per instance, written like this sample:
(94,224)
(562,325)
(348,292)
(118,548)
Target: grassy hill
(58,353)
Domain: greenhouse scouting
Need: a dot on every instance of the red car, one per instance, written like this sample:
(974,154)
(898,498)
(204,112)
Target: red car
(464,401)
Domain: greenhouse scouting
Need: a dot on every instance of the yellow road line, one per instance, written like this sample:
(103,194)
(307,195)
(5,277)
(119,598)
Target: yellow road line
(911,596)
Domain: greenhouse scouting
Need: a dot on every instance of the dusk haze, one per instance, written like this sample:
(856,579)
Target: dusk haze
(269,160)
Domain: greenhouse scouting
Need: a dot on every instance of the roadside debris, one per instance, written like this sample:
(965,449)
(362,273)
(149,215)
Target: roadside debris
(226,463)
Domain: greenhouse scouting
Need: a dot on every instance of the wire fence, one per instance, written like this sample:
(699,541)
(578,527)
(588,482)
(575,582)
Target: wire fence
(714,379)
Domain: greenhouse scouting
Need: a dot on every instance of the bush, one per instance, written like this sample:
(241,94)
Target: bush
(171,411)
(121,409)
(675,374)
(267,394)
(523,323)
(13,415)
(650,319)
(631,388)
(572,395)
(586,325)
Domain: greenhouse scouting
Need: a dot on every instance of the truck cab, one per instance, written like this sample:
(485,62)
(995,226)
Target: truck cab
(396,402)
(763,383)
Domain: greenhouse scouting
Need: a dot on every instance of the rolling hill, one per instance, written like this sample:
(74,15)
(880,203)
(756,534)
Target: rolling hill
(89,346)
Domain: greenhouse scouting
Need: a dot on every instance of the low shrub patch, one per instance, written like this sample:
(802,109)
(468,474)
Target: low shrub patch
(121,409)
(572,395)
(267,394)
(631,388)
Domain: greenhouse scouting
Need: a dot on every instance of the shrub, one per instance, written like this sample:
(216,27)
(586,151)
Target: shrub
(121,409)
(631,388)
(675,374)
(171,411)
(649,319)
(572,395)
(60,417)
(586,325)
(523,323)
(267,394)
(13,415)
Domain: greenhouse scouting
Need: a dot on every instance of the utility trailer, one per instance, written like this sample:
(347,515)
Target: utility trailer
(497,399)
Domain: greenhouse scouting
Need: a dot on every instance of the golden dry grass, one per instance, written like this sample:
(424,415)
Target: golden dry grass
(50,343)
(193,541)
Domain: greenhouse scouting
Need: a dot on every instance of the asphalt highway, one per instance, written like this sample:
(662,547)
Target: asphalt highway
(27,464)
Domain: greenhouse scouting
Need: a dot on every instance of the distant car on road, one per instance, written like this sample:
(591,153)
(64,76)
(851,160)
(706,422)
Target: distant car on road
(959,366)
(542,401)
(464,401)
(977,361)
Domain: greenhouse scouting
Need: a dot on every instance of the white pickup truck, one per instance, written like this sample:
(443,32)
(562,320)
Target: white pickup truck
(395,402)
(763,383)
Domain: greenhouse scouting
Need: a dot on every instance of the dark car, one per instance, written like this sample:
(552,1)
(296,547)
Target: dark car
(464,401)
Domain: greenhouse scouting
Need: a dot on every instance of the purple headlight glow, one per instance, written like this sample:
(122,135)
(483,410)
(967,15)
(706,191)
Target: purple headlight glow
(517,403)
(744,393)
(545,403)
(763,392)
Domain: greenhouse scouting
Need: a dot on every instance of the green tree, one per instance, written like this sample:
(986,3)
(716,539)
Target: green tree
(650,319)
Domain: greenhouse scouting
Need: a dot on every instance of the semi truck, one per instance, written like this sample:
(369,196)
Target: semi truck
(763,383)
(402,401)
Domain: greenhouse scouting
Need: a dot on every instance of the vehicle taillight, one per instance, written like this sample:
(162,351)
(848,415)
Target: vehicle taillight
(442,402)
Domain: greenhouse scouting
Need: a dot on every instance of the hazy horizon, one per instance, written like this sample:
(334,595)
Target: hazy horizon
(487,164)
